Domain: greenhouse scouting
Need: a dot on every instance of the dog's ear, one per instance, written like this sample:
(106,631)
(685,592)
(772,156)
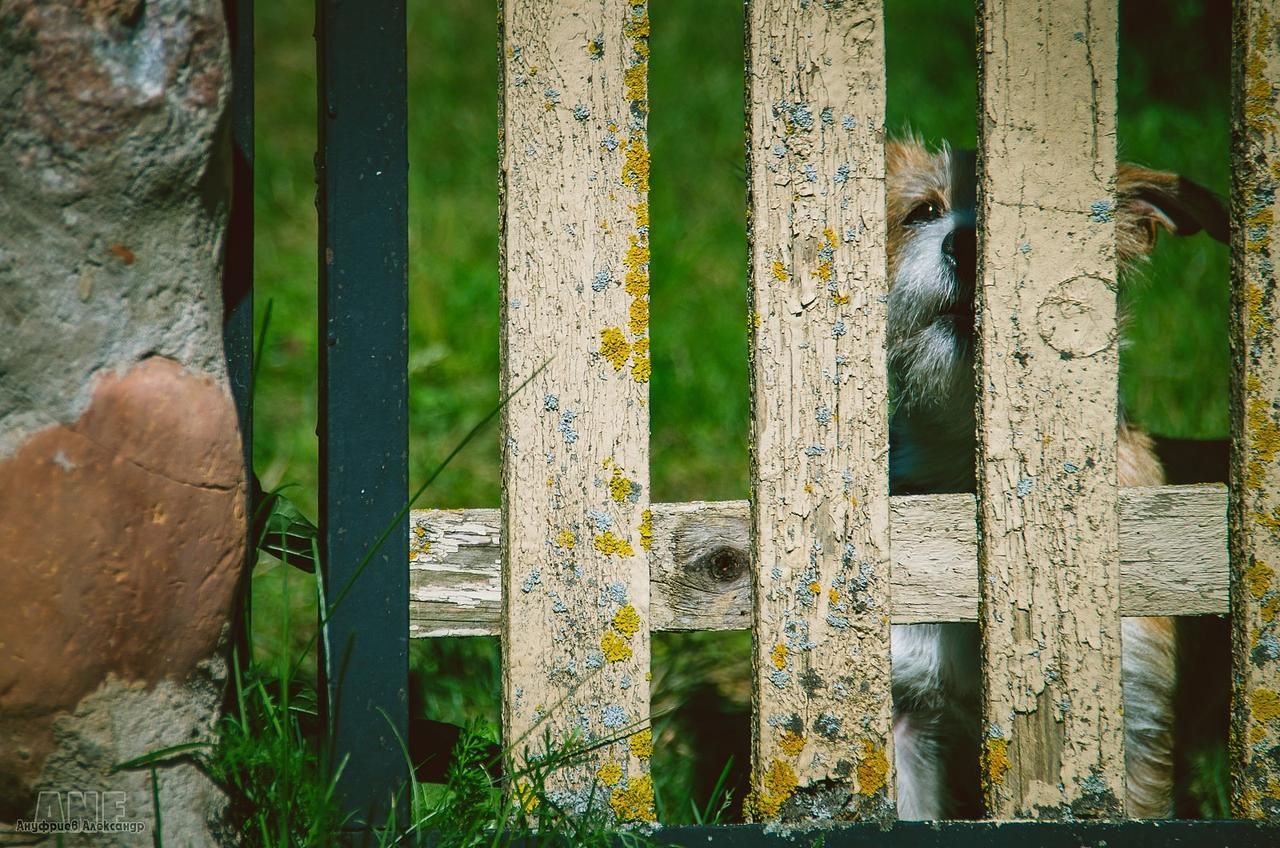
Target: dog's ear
(1147,199)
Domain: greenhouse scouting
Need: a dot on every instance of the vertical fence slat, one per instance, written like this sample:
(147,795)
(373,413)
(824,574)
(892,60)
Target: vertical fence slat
(575,297)
(1049,559)
(1255,473)
(362,174)
(822,742)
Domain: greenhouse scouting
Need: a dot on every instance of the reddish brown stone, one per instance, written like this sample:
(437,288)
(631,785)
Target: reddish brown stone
(123,537)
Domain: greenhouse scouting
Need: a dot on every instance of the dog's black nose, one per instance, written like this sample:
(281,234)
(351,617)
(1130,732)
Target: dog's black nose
(960,247)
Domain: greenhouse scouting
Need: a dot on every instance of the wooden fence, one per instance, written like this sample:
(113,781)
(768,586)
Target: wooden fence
(578,567)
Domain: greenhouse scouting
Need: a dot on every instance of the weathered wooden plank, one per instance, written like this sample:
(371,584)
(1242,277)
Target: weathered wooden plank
(822,743)
(1049,555)
(1173,561)
(575,270)
(1255,472)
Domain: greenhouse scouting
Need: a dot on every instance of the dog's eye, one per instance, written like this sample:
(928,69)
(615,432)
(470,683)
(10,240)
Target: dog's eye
(922,213)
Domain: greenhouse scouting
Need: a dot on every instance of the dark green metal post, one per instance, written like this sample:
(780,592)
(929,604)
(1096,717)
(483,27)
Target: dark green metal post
(362,173)
(237,277)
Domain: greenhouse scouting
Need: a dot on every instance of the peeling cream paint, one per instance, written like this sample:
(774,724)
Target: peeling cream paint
(815,301)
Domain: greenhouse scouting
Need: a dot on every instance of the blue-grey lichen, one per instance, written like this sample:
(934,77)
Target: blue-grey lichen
(551,403)
(581,112)
(848,123)
(838,329)
(827,725)
(841,175)
(595,659)
(600,281)
(613,716)
(1102,211)
(779,678)
(1025,485)
(815,450)
(828,117)
(566,426)
(533,579)
(823,415)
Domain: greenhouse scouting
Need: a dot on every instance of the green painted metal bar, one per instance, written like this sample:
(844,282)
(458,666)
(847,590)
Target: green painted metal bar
(237,275)
(950,834)
(362,173)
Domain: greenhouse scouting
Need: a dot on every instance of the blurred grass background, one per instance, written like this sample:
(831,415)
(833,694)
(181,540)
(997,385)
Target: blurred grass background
(1173,114)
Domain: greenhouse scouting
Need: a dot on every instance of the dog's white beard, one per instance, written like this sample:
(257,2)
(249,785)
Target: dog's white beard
(929,357)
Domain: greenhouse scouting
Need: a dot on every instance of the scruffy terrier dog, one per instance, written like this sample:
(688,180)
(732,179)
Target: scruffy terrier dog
(930,346)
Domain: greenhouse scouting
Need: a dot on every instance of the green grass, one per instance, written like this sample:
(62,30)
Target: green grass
(1173,114)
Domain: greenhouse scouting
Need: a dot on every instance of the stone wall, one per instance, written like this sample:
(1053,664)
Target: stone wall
(121,483)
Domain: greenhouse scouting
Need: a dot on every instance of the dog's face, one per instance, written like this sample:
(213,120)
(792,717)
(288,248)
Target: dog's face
(933,261)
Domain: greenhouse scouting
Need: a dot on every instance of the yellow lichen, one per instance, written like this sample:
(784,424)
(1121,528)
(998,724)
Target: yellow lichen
(641,211)
(615,647)
(566,538)
(637,27)
(839,299)
(646,529)
(614,347)
(525,797)
(873,769)
(641,744)
(815,588)
(639,324)
(420,532)
(609,774)
(834,596)
(641,369)
(1270,609)
(595,48)
(1263,436)
(1258,577)
(634,802)
(627,621)
(995,760)
(779,656)
(635,166)
(776,786)
(636,280)
(791,743)
(1264,705)
(636,81)
(780,272)
(608,543)
(619,486)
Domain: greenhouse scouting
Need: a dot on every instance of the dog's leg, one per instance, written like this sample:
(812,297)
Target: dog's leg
(1148,676)
(921,781)
(935,688)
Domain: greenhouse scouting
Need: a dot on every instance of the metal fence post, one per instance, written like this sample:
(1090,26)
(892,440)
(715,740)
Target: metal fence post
(237,277)
(362,169)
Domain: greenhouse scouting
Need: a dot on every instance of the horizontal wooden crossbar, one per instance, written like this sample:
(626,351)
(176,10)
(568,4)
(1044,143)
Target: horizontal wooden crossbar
(1173,561)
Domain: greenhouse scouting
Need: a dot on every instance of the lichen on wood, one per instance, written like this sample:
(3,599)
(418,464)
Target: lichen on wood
(820,520)
(1049,554)
(575,275)
(1255,344)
